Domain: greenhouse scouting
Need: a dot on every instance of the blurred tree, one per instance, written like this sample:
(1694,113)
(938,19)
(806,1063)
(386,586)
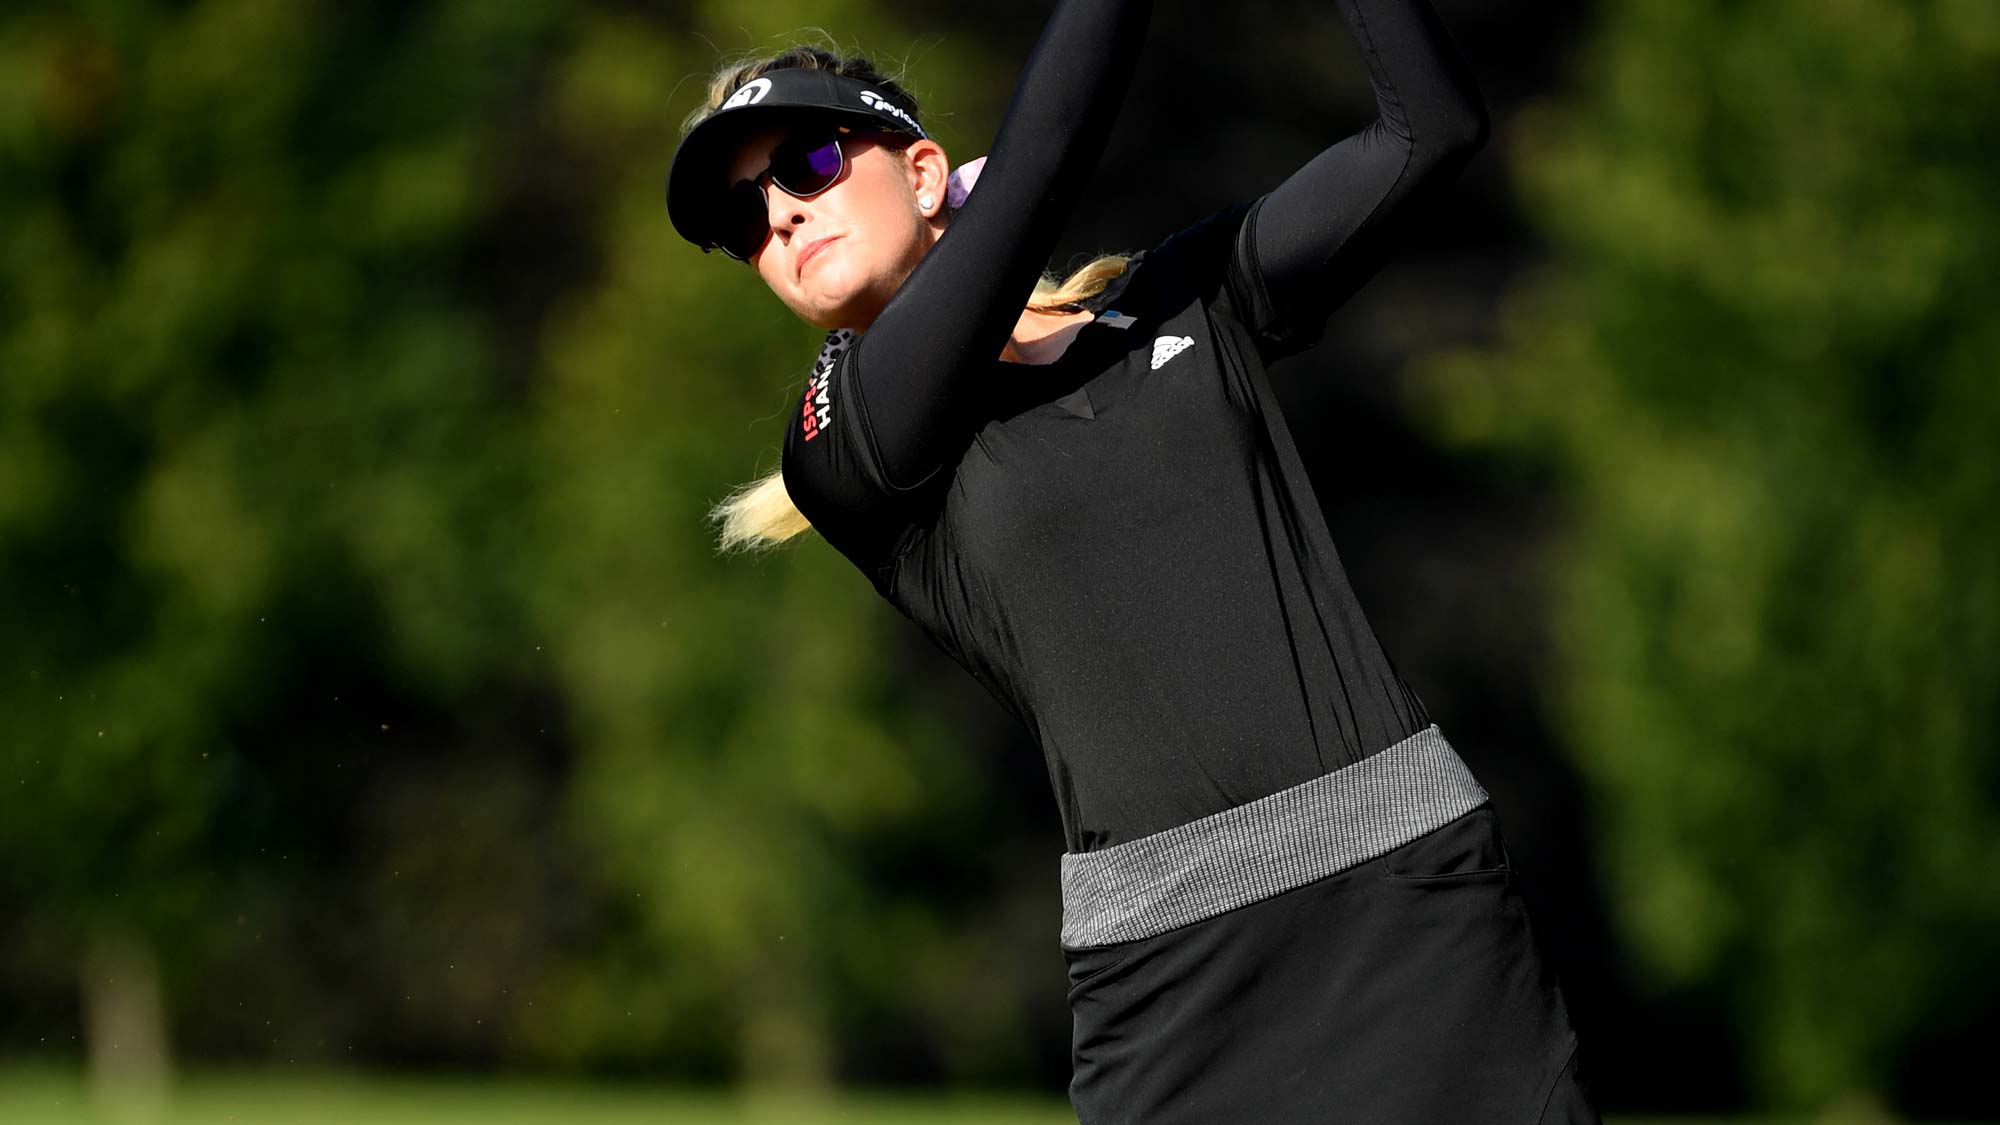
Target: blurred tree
(247,414)
(1760,366)
(369,669)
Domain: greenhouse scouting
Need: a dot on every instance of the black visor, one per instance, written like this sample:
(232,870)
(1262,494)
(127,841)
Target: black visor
(695,182)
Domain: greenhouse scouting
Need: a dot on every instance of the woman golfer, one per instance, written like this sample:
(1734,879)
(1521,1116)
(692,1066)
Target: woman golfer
(1284,897)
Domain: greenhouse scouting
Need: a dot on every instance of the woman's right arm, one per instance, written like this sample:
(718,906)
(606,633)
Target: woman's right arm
(917,373)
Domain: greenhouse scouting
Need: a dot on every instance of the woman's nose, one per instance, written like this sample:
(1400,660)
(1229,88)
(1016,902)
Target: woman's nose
(782,206)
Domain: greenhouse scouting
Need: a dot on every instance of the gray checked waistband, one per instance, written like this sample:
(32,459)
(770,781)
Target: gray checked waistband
(1267,846)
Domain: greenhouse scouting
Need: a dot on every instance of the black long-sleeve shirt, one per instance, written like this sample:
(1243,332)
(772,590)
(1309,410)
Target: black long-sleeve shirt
(1122,545)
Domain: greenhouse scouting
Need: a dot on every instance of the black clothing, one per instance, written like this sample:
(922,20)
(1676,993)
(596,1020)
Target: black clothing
(1122,545)
(1406,990)
(1124,548)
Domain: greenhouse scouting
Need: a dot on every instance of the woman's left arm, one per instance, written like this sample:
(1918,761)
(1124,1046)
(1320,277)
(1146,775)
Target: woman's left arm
(1322,233)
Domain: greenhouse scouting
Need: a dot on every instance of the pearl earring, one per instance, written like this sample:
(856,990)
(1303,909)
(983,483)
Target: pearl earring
(925,203)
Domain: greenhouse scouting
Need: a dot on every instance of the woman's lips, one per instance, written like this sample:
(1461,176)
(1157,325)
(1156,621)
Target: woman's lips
(812,251)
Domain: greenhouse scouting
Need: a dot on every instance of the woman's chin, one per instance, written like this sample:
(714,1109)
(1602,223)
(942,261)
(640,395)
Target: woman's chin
(828,318)
(828,304)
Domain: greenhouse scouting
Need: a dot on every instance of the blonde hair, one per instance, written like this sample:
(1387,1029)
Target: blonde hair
(761,514)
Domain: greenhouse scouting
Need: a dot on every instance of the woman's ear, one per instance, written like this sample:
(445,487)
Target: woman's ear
(929,171)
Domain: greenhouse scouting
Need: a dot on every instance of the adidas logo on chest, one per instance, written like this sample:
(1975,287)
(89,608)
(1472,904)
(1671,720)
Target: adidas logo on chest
(1167,347)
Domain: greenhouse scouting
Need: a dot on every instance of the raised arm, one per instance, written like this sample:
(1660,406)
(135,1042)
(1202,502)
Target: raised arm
(917,370)
(1328,228)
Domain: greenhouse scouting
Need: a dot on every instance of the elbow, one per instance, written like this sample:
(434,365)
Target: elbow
(1467,129)
(1447,135)
(1448,145)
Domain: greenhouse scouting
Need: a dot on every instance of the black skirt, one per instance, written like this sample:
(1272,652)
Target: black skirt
(1407,989)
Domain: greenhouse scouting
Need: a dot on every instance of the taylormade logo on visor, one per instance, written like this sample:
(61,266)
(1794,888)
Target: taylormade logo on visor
(880,104)
(750,94)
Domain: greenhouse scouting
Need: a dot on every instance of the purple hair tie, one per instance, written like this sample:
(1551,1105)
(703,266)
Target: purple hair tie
(960,185)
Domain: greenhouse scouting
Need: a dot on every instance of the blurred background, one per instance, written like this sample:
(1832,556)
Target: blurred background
(382,736)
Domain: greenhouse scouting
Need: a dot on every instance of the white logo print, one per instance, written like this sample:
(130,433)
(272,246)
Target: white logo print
(816,412)
(880,104)
(750,94)
(1167,347)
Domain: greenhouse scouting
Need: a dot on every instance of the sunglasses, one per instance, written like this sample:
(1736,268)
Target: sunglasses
(804,164)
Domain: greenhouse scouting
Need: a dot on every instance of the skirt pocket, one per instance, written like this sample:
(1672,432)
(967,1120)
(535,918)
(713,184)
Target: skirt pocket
(1088,965)
(1467,847)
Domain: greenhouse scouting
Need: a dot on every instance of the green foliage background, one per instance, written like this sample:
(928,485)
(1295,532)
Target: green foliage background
(1759,367)
(365,657)
(363,622)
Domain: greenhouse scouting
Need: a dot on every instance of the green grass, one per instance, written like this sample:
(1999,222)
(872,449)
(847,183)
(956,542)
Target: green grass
(51,1096)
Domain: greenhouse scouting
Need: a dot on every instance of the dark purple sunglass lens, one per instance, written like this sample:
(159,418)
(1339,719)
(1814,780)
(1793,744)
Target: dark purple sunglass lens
(808,171)
(825,160)
(800,171)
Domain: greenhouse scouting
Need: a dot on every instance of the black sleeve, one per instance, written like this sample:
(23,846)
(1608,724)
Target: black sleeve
(910,385)
(1316,238)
